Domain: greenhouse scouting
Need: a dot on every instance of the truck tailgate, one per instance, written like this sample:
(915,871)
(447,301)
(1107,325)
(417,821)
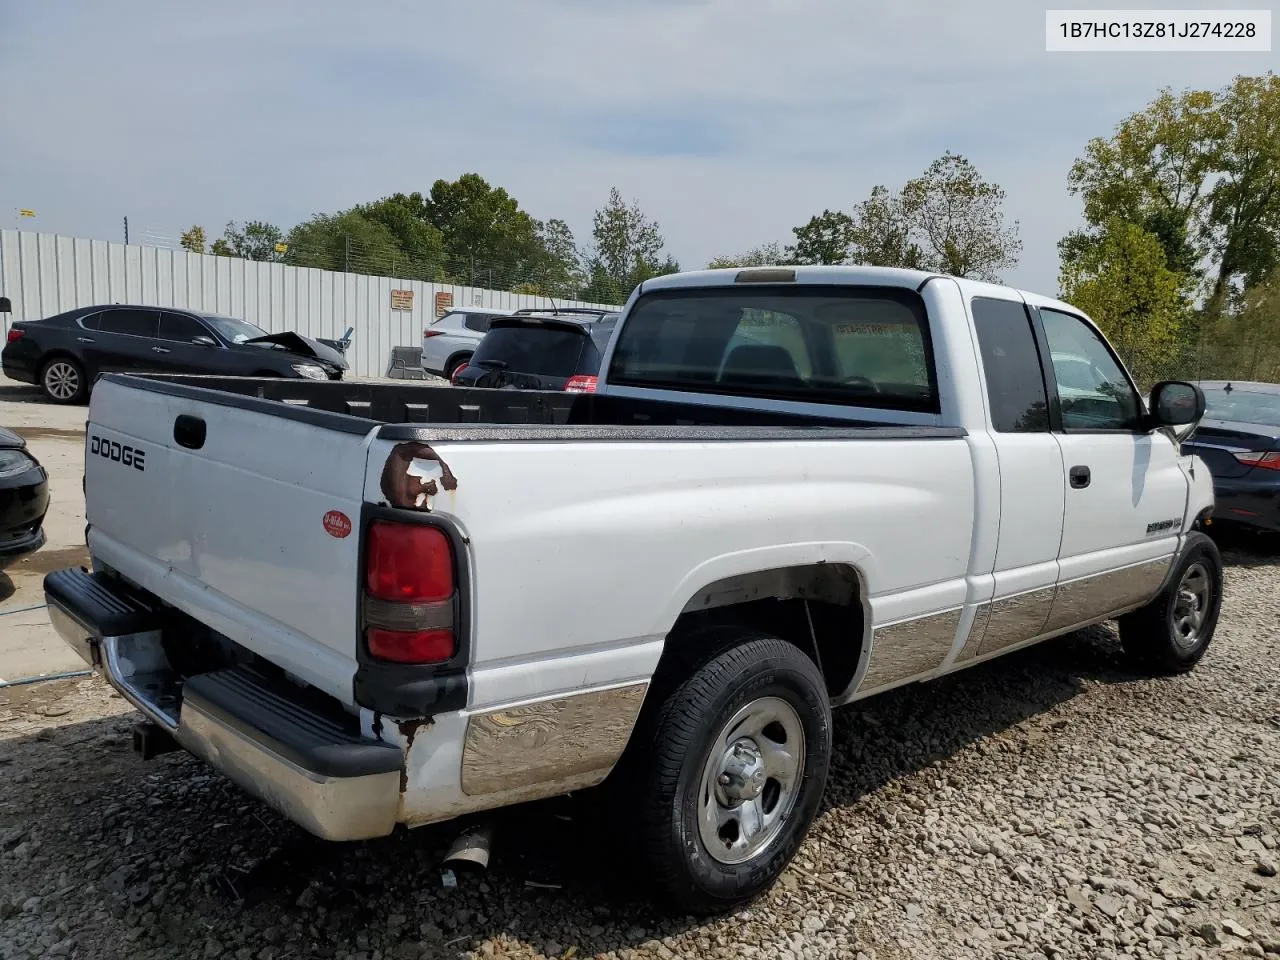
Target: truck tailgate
(243,519)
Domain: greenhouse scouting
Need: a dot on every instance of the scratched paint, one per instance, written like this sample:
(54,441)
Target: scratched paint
(413,474)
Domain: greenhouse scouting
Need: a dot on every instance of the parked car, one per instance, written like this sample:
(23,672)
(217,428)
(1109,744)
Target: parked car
(869,489)
(1239,440)
(65,353)
(450,340)
(24,498)
(534,352)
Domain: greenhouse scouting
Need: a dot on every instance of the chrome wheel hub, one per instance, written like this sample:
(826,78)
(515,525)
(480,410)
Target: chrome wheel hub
(61,380)
(751,780)
(1191,606)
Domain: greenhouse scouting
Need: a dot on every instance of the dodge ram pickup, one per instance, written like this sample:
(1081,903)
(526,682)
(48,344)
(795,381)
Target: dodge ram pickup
(375,605)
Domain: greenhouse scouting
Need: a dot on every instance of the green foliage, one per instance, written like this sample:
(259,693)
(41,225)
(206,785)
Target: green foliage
(353,242)
(256,240)
(1243,345)
(417,240)
(768,255)
(487,238)
(1123,281)
(193,239)
(627,250)
(948,219)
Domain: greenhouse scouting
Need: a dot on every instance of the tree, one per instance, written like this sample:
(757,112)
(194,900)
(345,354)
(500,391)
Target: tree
(1200,171)
(487,237)
(349,242)
(958,219)
(419,242)
(768,255)
(1124,282)
(627,250)
(826,238)
(1244,345)
(193,239)
(257,240)
(558,272)
(948,219)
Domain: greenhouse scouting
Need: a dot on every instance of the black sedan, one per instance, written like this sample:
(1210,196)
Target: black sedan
(1239,440)
(65,353)
(24,498)
(547,352)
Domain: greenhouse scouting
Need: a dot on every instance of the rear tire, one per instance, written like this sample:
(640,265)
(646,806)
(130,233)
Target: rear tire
(63,381)
(1172,633)
(728,769)
(454,365)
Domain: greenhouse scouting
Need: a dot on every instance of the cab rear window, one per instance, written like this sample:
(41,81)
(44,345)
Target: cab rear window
(856,346)
(542,350)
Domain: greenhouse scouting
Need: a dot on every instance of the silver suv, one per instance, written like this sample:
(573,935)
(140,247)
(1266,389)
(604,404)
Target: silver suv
(448,343)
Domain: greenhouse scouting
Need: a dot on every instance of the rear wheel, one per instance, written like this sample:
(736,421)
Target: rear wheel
(1172,633)
(455,364)
(729,769)
(63,381)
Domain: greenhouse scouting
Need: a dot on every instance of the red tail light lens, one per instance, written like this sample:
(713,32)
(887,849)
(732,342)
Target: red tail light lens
(419,646)
(1263,461)
(457,373)
(581,384)
(431,333)
(408,562)
(14,336)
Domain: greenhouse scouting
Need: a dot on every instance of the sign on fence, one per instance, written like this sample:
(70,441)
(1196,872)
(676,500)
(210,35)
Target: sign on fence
(444,302)
(401,299)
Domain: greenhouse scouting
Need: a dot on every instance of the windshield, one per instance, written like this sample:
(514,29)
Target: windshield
(863,347)
(1242,405)
(543,351)
(233,329)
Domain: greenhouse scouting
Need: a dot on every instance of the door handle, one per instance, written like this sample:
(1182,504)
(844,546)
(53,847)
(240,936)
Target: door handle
(1080,477)
(159,350)
(86,339)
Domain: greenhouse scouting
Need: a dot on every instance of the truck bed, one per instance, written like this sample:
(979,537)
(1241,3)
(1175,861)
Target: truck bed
(485,414)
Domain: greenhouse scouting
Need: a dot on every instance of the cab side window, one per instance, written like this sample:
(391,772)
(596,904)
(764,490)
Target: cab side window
(1011,364)
(1094,391)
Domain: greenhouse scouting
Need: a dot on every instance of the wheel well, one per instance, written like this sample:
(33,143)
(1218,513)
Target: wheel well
(819,608)
(59,354)
(460,355)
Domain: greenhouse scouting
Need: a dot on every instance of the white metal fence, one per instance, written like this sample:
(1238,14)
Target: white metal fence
(44,274)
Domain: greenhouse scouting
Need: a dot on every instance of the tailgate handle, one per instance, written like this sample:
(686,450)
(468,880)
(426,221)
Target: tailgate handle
(189,431)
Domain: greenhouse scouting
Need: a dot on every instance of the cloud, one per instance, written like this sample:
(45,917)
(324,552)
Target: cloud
(729,120)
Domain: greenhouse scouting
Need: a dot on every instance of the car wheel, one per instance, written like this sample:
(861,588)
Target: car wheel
(454,366)
(730,768)
(63,381)
(1172,633)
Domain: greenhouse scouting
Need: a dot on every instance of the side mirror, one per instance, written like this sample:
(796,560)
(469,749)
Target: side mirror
(204,341)
(1175,403)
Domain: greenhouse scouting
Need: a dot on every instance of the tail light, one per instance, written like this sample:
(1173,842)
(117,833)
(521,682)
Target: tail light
(14,336)
(581,384)
(431,333)
(409,591)
(1263,461)
(457,373)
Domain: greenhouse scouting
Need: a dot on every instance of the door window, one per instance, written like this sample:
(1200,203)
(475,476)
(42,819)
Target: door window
(1094,391)
(180,328)
(1011,363)
(479,322)
(134,323)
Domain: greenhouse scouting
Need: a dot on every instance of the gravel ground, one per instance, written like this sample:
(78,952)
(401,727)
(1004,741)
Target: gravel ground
(1051,804)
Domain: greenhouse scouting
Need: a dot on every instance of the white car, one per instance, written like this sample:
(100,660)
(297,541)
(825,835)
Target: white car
(794,488)
(447,344)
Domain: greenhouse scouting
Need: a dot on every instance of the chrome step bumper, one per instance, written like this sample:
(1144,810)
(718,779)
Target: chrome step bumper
(310,764)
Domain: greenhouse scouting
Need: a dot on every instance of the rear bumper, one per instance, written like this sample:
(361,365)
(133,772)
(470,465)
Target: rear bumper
(304,760)
(1251,500)
(17,366)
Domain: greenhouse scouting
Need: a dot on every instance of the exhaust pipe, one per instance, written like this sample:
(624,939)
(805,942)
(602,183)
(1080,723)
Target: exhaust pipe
(471,847)
(151,740)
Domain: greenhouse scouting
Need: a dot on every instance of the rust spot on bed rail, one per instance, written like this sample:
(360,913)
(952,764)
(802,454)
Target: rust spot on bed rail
(409,491)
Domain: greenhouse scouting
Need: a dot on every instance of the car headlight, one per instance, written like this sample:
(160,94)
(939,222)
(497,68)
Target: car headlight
(14,462)
(311,371)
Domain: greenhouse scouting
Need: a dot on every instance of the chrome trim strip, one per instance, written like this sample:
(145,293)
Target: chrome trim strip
(579,736)
(1017,618)
(332,808)
(910,648)
(1103,595)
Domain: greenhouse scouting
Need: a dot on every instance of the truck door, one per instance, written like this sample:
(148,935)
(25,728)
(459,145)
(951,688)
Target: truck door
(1032,483)
(1126,494)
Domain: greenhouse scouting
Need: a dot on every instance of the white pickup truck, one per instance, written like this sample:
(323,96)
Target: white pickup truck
(383,604)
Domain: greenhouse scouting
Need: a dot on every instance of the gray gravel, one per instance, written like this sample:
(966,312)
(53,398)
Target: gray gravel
(1052,804)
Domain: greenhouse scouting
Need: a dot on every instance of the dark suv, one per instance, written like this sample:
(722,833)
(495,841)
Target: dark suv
(529,351)
(65,353)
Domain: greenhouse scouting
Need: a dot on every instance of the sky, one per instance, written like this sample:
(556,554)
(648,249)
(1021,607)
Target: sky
(729,121)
